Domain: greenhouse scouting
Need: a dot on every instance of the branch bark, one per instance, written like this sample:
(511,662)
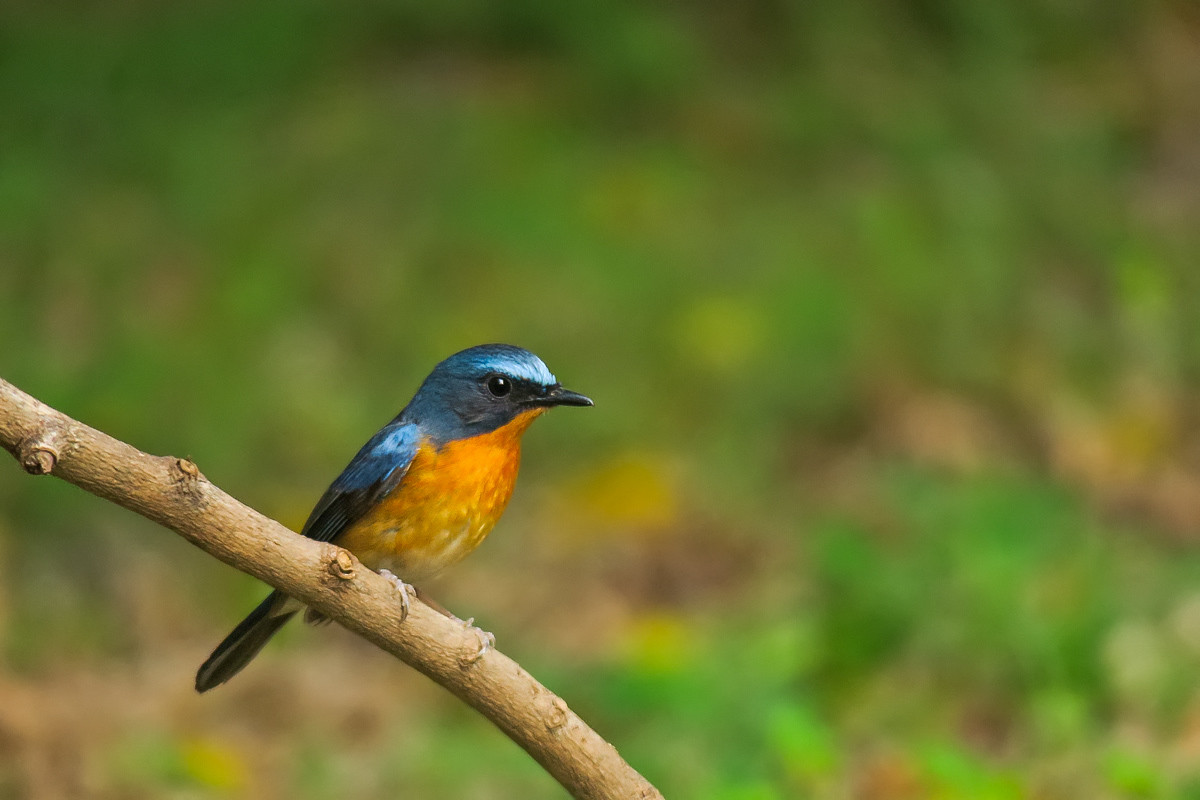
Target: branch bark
(173,493)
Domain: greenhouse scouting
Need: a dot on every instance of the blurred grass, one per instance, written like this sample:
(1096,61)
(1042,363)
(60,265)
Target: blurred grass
(888,309)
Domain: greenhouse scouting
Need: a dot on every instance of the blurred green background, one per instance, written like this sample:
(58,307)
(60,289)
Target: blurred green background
(892,486)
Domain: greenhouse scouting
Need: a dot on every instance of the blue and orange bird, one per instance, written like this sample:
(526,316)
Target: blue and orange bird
(426,489)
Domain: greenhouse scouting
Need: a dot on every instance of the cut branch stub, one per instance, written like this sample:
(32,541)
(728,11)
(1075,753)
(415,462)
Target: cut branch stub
(39,454)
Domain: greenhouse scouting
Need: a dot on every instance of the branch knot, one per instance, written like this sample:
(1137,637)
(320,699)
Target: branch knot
(341,563)
(39,453)
(558,714)
(186,476)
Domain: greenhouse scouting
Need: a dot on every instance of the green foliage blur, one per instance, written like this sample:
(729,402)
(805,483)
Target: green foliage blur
(892,486)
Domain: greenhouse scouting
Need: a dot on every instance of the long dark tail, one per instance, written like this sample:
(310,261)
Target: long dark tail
(243,643)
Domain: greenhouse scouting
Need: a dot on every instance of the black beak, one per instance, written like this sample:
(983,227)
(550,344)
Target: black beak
(556,395)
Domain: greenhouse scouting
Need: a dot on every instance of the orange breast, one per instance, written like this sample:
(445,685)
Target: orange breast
(447,503)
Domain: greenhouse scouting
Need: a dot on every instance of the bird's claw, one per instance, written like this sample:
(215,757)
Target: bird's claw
(487,641)
(403,588)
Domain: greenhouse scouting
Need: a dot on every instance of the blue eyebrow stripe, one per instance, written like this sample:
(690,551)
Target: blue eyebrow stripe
(516,363)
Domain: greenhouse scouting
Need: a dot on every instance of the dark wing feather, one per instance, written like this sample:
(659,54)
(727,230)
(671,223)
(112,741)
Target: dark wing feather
(377,469)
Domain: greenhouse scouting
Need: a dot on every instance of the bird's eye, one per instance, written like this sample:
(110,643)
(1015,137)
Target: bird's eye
(499,386)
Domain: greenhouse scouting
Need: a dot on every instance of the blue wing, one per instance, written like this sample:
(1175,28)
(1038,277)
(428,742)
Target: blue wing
(377,469)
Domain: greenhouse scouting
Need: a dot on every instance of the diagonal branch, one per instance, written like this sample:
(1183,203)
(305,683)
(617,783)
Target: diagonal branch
(173,493)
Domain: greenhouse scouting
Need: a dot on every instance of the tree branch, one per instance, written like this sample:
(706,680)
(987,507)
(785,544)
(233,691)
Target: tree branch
(173,492)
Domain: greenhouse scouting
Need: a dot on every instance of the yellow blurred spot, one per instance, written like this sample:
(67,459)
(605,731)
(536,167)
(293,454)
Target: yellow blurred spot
(660,643)
(214,764)
(1140,437)
(632,491)
(721,333)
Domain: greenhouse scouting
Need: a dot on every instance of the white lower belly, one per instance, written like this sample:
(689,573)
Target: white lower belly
(443,550)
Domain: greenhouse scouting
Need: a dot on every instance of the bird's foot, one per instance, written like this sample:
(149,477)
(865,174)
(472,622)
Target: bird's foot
(487,641)
(403,588)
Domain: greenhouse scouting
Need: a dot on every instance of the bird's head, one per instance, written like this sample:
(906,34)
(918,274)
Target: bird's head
(483,388)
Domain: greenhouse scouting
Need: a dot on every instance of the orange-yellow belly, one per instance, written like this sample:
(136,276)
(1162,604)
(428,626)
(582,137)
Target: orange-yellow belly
(446,504)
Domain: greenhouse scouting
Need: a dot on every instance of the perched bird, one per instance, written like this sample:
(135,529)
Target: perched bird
(426,489)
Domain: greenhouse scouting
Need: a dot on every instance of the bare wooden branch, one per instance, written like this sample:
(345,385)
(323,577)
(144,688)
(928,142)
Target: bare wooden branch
(173,493)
